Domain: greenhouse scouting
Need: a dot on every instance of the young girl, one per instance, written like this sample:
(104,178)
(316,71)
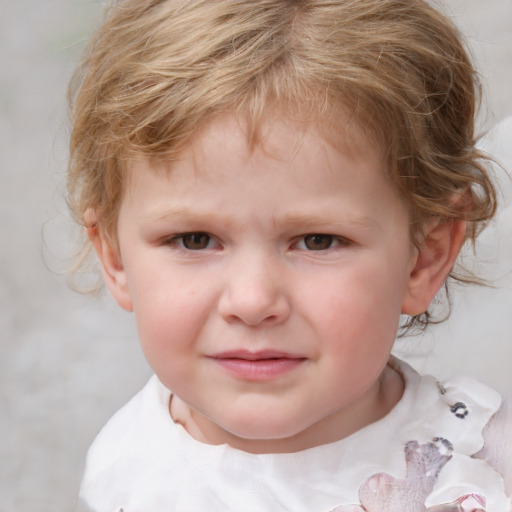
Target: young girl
(269,186)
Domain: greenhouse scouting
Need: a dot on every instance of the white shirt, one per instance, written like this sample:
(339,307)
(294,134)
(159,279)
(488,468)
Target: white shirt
(421,452)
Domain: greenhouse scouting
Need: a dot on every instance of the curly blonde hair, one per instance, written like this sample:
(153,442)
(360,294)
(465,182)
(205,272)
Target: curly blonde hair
(157,70)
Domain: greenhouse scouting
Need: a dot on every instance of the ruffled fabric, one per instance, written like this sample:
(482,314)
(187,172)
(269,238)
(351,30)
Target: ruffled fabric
(417,458)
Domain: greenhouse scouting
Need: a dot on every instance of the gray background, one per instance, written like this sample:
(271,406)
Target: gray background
(67,361)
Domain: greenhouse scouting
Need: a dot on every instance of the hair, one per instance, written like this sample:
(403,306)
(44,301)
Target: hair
(157,70)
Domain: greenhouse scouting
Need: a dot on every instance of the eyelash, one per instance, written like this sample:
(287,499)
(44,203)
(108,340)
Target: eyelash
(179,241)
(196,237)
(333,242)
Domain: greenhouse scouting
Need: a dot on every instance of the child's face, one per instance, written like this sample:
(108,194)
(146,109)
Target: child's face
(267,286)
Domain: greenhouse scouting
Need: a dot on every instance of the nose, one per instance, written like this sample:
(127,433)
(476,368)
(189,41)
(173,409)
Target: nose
(254,292)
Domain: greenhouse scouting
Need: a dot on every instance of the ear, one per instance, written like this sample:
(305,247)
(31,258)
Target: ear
(112,268)
(432,263)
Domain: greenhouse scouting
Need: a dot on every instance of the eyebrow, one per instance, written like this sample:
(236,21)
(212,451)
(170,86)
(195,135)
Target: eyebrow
(185,214)
(327,219)
(290,220)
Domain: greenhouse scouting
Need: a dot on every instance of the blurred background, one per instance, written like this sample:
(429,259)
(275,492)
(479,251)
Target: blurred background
(67,362)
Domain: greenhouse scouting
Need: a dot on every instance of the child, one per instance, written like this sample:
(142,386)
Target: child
(269,186)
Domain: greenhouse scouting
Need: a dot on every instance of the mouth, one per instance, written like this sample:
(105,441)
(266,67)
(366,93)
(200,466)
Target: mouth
(258,366)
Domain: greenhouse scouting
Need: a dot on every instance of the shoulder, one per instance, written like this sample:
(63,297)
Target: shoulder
(129,446)
(457,409)
(128,422)
(497,450)
(468,423)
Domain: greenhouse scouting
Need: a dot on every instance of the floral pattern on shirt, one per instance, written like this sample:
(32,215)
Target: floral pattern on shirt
(385,493)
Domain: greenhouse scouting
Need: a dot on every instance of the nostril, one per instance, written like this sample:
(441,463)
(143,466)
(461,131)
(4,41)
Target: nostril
(256,321)
(254,309)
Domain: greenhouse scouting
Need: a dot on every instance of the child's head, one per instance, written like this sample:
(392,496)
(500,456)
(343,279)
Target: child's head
(363,111)
(396,71)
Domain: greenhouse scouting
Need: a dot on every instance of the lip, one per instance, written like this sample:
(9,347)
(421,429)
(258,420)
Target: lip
(258,366)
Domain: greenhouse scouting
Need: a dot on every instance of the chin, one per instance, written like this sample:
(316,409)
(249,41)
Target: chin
(261,429)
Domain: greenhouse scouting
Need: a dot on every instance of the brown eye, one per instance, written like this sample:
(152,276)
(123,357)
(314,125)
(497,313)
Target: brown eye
(196,241)
(318,242)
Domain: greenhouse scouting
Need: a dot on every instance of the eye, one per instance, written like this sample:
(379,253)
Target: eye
(318,242)
(194,241)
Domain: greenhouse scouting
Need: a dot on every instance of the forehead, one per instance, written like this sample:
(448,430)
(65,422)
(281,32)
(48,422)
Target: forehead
(275,137)
(293,172)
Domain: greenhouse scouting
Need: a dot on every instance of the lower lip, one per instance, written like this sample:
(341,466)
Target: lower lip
(259,369)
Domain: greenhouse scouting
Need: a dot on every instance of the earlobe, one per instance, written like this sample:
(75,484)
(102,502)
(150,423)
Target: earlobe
(432,263)
(112,267)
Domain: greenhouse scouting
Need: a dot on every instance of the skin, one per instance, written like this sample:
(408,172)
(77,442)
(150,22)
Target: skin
(267,284)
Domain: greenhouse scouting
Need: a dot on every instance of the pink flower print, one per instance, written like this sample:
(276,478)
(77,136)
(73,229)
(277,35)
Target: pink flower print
(468,503)
(348,508)
(385,493)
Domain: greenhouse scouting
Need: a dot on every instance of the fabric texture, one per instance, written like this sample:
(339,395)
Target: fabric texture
(420,457)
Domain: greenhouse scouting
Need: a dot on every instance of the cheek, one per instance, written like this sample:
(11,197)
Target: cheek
(363,302)
(168,334)
(169,315)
